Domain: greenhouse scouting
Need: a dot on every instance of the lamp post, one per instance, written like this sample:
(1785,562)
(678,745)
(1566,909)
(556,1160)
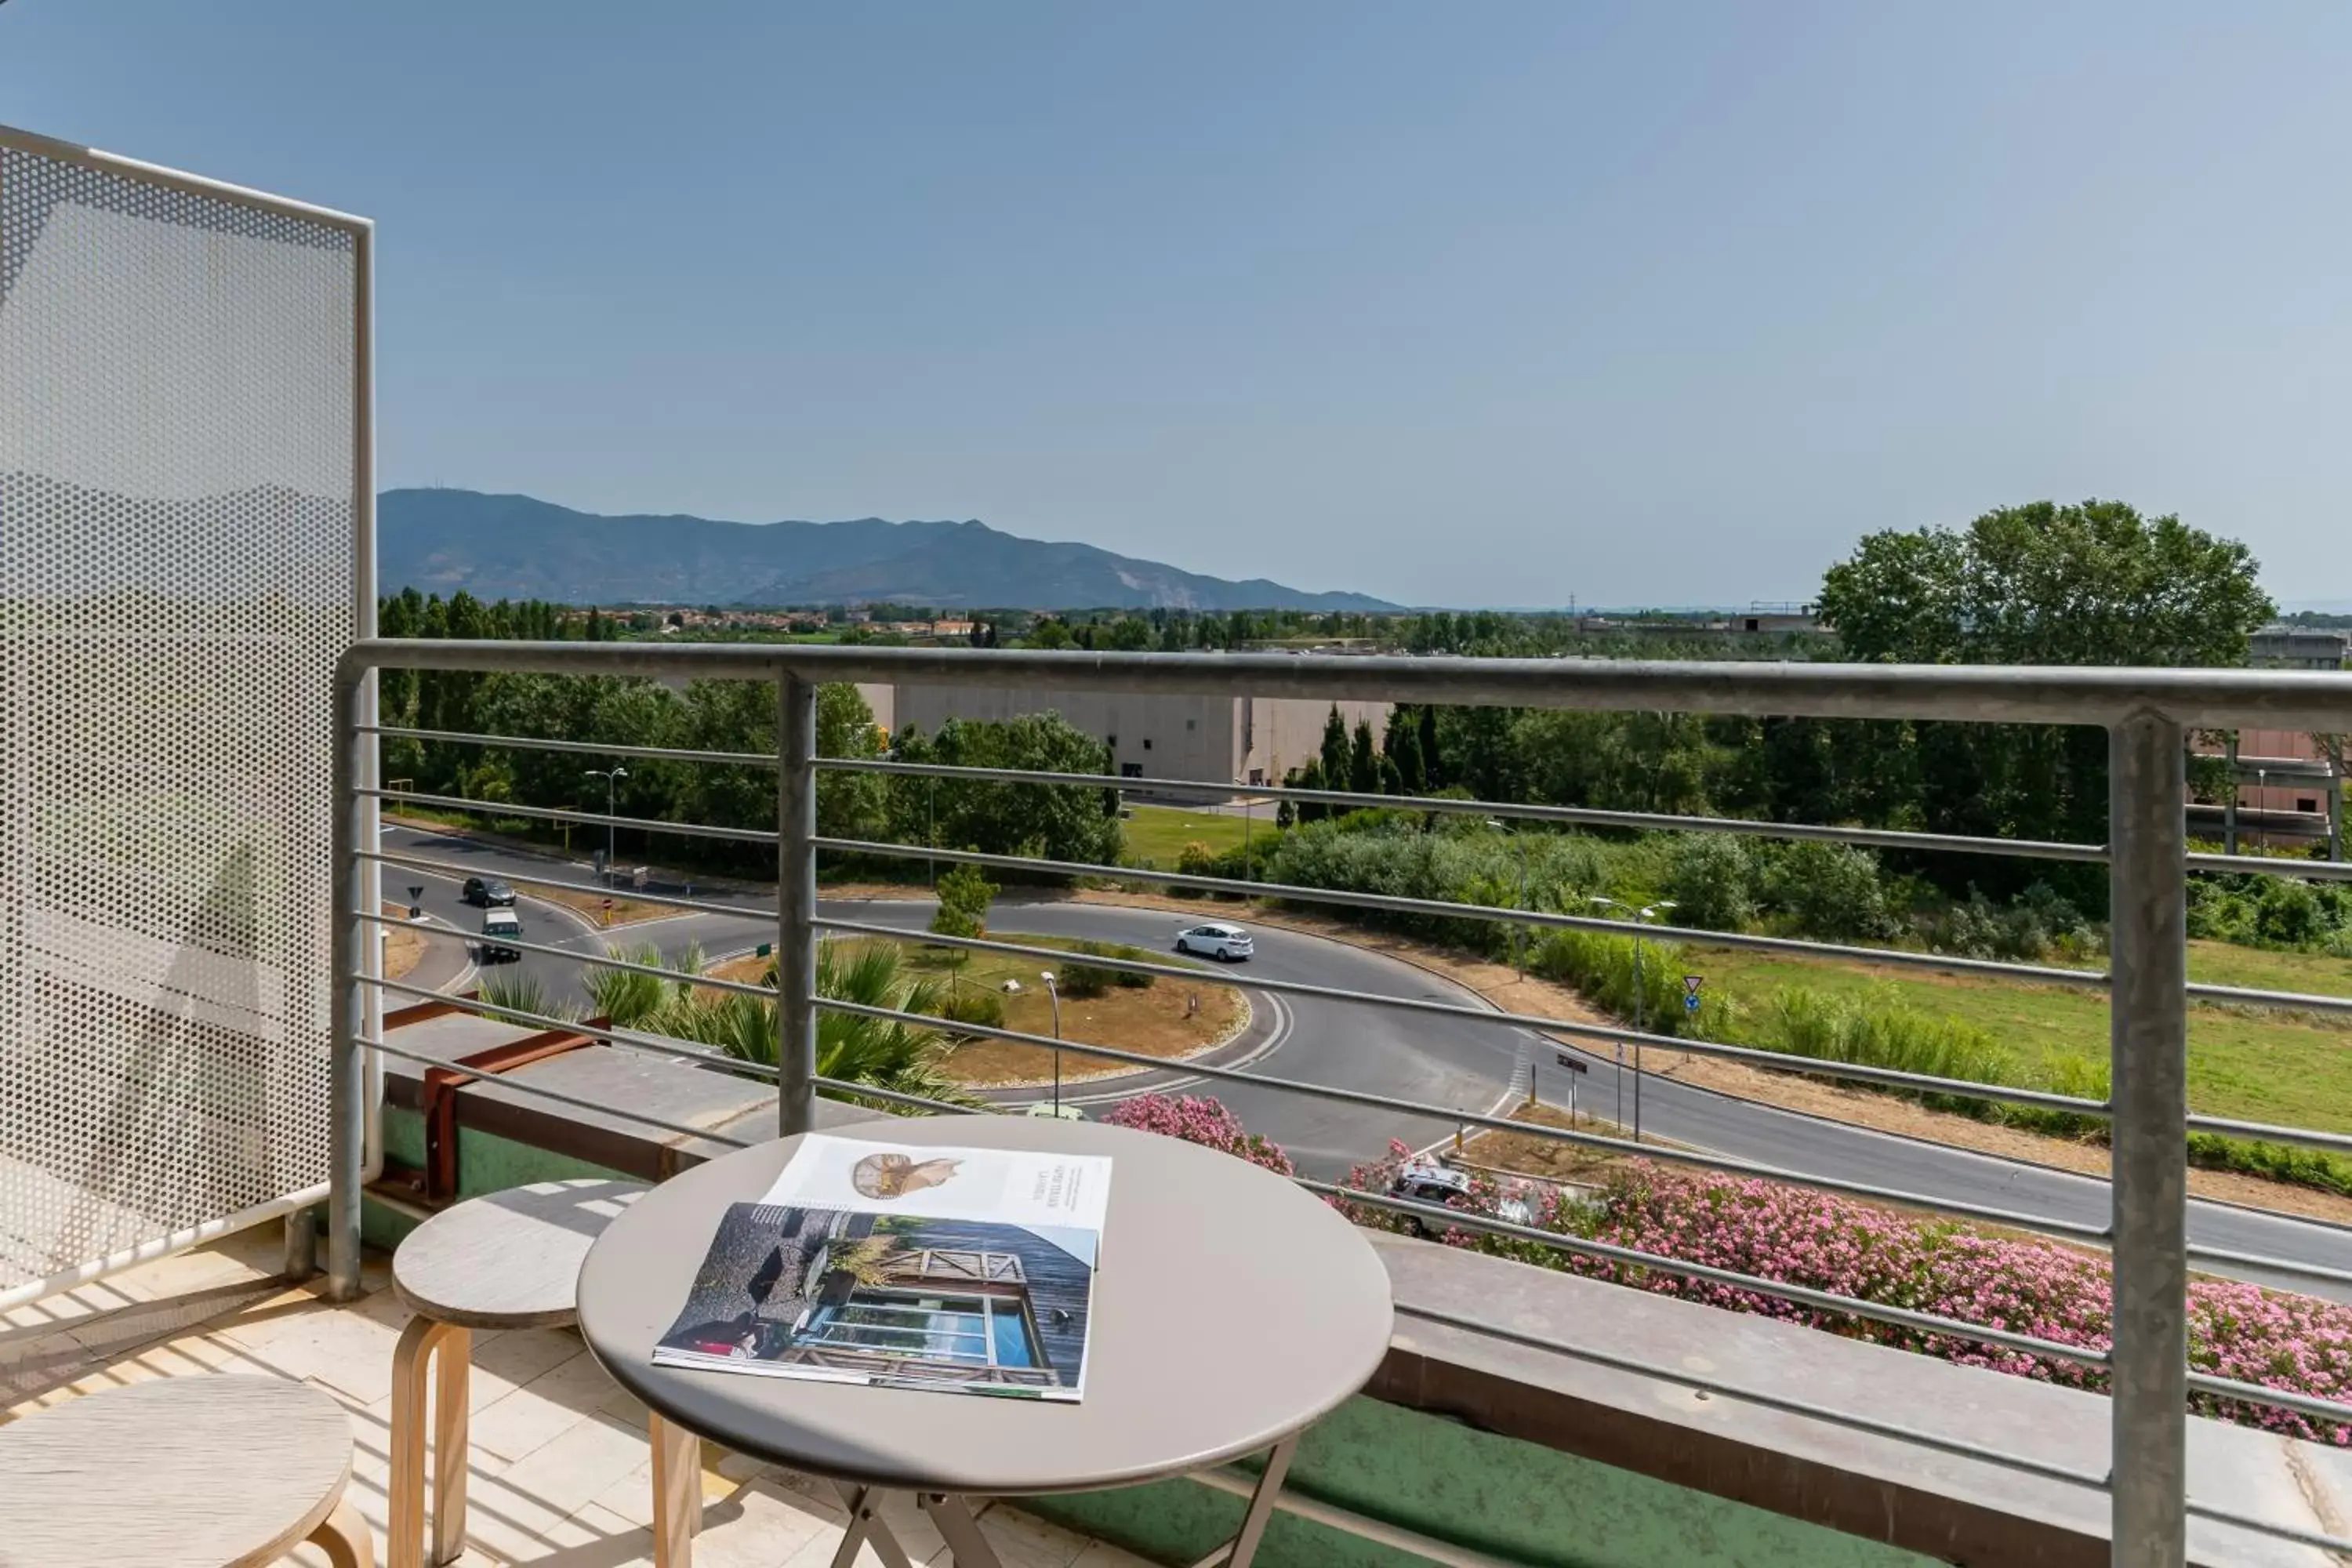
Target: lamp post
(612,776)
(1519,946)
(1055,992)
(1647,912)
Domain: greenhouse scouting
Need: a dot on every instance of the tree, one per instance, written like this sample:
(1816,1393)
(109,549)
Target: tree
(963,893)
(1059,822)
(1403,749)
(1335,756)
(2093,584)
(1363,761)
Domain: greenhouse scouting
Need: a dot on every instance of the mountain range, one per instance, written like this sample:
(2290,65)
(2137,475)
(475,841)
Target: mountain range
(516,547)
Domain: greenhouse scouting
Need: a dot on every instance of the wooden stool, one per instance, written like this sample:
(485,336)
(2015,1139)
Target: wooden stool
(229,1470)
(511,1260)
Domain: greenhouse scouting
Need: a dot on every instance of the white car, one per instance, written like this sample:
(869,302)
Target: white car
(1214,942)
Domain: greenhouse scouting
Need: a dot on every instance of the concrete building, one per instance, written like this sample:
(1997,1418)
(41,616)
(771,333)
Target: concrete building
(2298,647)
(1207,739)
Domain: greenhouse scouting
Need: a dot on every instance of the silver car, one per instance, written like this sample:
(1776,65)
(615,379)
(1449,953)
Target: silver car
(1215,941)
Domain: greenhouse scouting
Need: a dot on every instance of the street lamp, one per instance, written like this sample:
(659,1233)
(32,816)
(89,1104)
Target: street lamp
(1055,993)
(1647,912)
(1518,947)
(611,776)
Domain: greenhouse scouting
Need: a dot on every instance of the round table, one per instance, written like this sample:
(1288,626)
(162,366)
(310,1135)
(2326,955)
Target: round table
(1231,1309)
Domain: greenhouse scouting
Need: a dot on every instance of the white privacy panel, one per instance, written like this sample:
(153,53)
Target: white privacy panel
(180,423)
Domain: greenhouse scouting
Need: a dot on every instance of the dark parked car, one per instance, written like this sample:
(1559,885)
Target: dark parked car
(489,892)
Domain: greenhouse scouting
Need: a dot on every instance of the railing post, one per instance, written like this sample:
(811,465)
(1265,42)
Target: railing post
(347,999)
(2148,1045)
(795,904)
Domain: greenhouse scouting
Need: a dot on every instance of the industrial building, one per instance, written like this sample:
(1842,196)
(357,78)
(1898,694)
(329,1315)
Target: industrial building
(1205,740)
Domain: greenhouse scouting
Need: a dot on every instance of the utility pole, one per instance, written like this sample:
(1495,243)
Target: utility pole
(612,776)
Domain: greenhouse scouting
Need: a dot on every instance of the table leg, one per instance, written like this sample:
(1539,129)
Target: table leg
(453,1365)
(960,1530)
(677,1492)
(867,1527)
(1239,1552)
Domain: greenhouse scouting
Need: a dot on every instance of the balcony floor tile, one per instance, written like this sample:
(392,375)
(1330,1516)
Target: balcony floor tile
(559,1471)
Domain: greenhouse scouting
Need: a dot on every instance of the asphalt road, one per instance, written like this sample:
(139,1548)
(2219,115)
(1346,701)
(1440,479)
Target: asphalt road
(1458,1064)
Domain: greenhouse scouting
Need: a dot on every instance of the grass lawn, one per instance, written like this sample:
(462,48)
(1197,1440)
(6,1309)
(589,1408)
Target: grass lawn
(1167,1018)
(2294,1068)
(1157,834)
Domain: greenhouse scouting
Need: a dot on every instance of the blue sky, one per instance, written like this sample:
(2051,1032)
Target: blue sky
(1491,304)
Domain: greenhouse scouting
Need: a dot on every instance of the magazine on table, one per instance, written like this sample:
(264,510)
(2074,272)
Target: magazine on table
(969,1270)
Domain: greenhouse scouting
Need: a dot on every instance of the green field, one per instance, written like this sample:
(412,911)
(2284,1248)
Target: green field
(1158,834)
(2253,1063)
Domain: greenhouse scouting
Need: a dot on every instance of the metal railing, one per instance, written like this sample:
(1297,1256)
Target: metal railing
(2147,715)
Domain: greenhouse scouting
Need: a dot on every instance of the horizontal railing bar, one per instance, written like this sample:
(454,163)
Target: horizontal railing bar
(591,748)
(1574,815)
(521,1086)
(1798,1407)
(1477,1119)
(2264,1132)
(2046,694)
(597,960)
(1799,1295)
(1770,1061)
(2272,866)
(2284,1000)
(1690,936)
(558,814)
(900,1097)
(2280,1398)
(2319,1272)
(2325,1542)
(662,1045)
(635,895)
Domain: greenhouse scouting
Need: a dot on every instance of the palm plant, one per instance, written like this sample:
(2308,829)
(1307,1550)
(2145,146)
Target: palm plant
(888,1053)
(521,993)
(628,996)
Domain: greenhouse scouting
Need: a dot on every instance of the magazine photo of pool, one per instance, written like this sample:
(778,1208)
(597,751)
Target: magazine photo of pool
(895,1300)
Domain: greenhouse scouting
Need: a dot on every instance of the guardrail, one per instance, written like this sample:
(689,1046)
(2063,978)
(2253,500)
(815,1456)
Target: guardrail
(2147,714)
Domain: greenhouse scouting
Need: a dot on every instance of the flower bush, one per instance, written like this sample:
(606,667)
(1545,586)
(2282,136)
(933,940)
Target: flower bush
(1199,1120)
(1794,1235)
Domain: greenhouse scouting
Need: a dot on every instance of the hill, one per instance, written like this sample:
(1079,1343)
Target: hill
(440,541)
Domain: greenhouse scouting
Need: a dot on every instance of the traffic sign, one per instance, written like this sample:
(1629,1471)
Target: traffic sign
(763,950)
(415,902)
(1690,992)
(1570,1063)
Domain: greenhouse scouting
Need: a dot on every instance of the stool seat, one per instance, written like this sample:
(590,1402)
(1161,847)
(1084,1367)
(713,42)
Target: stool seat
(201,1469)
(510,1261)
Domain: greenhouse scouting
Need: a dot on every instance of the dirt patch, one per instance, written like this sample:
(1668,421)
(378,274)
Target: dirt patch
(1170,1019)
(403,947)
(1529,1155)
(590,901)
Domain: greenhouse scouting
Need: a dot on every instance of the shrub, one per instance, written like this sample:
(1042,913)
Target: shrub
(1199,1120)
(1829,891)
(2288,914)
(1793,1236)
(966,1005)
(1711,878)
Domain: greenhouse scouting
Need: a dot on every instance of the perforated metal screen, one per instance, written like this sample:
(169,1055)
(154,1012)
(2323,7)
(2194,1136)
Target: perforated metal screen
(177,577)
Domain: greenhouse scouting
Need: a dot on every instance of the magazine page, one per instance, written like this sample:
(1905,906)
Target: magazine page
(1013,1186)
(893,1300)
